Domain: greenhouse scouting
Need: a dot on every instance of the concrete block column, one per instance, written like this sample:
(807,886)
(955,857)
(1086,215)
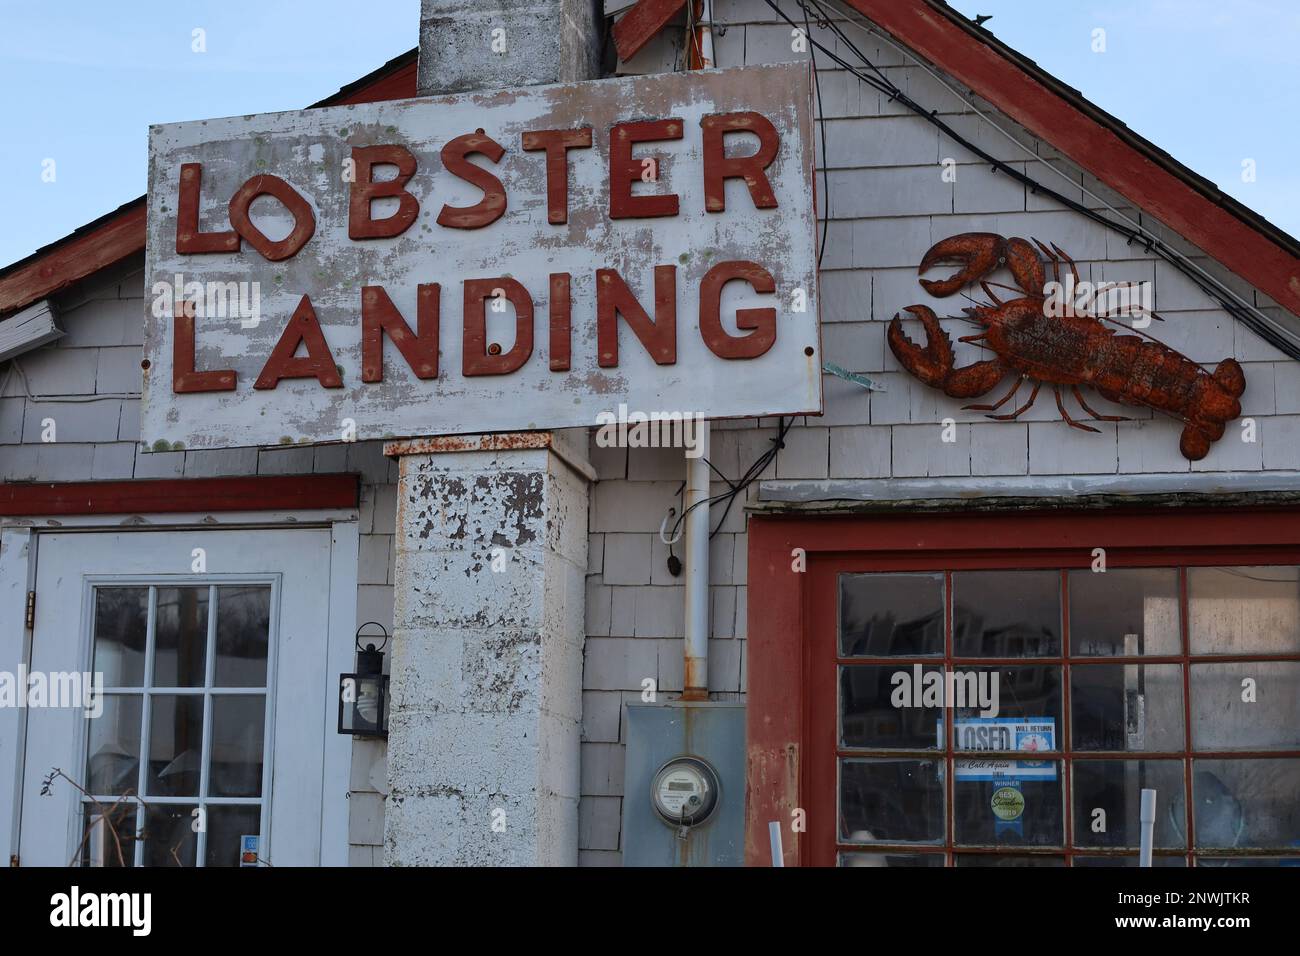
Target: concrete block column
(486,713)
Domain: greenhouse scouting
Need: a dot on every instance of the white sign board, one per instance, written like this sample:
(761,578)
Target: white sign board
(509,260)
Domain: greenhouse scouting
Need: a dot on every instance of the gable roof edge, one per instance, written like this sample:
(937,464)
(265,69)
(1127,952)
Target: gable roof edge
(1247,245)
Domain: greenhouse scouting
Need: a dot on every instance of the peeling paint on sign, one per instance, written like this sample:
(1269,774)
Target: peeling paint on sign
(507,260)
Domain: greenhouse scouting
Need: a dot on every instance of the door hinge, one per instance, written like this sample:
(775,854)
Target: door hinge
(31,610)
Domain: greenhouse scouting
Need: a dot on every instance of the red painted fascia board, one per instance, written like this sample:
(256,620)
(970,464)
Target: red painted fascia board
(640,25)
(73,260)
(123,234)
(1091,145)
(180,496)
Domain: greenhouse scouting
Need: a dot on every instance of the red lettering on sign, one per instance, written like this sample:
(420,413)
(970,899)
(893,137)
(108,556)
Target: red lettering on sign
(379,316)
(624,170)
(184,378)
(614,298)
(318,363)
(557,143)
(189,240)
(762,322)
(365,190)
(493,204)
(304,220)
(719,167)
(476,358)
(561,322)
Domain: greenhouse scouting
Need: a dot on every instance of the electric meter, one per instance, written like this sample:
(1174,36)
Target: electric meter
(685,791)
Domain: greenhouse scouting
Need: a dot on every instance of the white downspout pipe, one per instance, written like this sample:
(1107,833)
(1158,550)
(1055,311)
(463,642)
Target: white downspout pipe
(696,670)
(696,664)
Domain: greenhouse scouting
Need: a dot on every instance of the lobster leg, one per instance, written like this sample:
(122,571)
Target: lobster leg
(1091,411)
(1022,409)
(1060,406)
(1000,402)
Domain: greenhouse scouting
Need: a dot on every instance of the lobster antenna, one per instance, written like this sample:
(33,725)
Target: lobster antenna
(1130,328)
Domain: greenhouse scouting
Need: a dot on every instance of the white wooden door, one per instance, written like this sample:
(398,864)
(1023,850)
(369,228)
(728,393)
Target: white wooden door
(212,646)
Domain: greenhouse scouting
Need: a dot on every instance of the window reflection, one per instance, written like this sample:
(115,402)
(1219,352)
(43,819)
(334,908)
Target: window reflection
(1006,613)
(883,615)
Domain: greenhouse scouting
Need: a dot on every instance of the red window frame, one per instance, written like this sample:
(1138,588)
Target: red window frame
(792,615)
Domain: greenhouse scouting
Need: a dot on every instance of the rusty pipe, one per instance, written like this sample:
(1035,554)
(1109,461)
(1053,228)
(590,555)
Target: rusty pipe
(704,34)
(696,664)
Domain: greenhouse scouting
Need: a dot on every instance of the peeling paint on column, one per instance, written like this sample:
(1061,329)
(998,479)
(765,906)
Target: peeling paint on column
(487,665)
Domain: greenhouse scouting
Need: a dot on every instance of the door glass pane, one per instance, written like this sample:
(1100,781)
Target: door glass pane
(121,629)
(886,615)
(993,693)
(243,630)
(236,762)
(170,838)
(1124,612)
(226,828)
(1246,803)
(113,747)
(1244,610)
(1006,613)
(883,706)
(1108,802)
(1020,806)
(108,834)
(175,745)
(1119,861)
(891,859)
(1246,706)
(992,859)
(891,801)
(181,637)
(1127,707)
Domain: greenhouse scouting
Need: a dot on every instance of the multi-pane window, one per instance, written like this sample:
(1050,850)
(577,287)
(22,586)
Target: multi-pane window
(174,767)
(1013,717)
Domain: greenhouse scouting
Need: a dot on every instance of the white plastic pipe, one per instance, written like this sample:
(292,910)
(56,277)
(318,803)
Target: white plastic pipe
(1147,817)
(774,834)
(696,669)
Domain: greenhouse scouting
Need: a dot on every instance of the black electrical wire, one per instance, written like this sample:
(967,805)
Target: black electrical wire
(735,488)
(1149,243)
(826,163)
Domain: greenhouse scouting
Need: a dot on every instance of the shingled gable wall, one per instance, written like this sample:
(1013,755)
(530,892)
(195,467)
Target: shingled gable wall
(888,203)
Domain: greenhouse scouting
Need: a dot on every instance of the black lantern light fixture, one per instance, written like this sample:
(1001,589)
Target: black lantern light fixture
(363,696)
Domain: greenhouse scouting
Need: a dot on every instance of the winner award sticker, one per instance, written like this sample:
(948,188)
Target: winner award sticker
(1008,803)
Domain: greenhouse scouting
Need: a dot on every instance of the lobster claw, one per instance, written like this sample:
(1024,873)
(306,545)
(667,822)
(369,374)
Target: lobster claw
(978,254)
(932,364)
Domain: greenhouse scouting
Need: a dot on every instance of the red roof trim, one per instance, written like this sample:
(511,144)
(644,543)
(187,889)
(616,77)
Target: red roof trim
(1090,144)
(181,496)
(640,24)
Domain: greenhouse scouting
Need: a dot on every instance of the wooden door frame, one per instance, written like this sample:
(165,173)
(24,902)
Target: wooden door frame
(19,547)
(780,607)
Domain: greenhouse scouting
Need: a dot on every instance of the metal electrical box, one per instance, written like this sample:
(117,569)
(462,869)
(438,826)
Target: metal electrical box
(712,736)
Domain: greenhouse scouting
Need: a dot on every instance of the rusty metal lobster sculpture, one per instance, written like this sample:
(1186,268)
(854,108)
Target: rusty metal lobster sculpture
(1068,350)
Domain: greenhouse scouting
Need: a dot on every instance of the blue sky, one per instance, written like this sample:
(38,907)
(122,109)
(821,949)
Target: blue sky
(1211,81)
